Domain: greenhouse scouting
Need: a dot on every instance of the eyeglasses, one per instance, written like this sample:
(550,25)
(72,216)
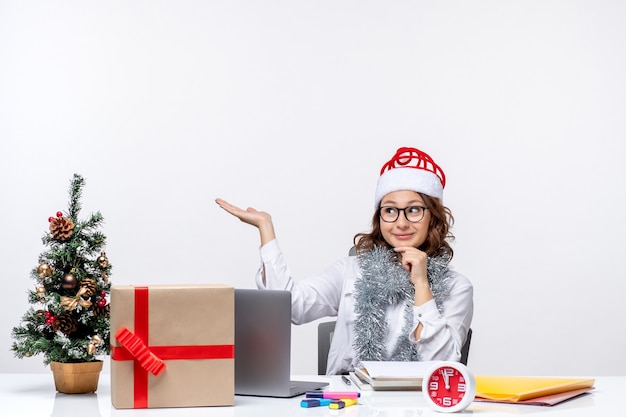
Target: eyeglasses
(413,214)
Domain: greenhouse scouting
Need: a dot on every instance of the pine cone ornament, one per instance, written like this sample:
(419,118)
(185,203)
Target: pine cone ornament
(89,286)
(103,311)
(65,323)
(61,228)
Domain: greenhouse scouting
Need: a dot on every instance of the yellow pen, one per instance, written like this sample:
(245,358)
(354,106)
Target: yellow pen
(343,403)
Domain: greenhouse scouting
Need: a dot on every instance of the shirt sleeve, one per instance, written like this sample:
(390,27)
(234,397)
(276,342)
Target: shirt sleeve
(311,298)
(443,334)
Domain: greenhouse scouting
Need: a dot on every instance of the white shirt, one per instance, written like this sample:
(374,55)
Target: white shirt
(331,293)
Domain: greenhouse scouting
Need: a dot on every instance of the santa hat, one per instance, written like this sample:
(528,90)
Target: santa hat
(410,170)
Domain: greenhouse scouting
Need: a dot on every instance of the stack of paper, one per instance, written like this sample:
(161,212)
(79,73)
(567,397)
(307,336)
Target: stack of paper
(530,390)
(390,375)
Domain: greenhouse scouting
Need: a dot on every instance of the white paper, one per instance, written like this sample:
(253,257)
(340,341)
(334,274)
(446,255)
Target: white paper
(397,369)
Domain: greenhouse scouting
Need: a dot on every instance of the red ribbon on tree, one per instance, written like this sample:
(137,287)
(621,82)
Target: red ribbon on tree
(150,358)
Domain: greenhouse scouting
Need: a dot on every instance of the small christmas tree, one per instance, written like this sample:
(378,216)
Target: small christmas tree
(70,322)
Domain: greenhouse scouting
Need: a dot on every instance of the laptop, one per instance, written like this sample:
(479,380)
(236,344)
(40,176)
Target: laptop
(263,345)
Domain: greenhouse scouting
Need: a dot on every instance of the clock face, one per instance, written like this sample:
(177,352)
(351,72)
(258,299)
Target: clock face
(449,387)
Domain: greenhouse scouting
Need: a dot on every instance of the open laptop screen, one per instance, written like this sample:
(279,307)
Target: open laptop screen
(263,345)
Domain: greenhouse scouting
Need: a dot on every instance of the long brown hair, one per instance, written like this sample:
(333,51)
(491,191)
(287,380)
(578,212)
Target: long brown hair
(437,241)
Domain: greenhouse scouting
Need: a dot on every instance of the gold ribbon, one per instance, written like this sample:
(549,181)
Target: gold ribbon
(70,303)
(95,341)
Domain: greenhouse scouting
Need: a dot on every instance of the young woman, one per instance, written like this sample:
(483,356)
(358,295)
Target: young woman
(398,299)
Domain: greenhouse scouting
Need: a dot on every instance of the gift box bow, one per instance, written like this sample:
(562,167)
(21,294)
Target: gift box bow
(138,349)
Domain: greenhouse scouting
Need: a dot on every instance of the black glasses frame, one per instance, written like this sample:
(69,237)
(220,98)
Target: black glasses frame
(398,210)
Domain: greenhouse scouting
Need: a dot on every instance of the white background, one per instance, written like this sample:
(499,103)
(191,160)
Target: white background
(292,107)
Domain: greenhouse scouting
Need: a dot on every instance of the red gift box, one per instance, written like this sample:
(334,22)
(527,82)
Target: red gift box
(172,346)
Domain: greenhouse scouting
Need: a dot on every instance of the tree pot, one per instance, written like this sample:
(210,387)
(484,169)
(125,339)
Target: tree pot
(76,378)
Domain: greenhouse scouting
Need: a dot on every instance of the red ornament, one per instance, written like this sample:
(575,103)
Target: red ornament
(47,314)
(50,320)
(103,294)
(102,302)
(59,214)
(50,219)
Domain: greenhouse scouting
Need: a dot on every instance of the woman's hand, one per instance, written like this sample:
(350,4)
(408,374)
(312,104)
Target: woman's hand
(259,219)
(414,261)
(250,215)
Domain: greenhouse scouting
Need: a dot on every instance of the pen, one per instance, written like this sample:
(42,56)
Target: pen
(343,403)
(346,380)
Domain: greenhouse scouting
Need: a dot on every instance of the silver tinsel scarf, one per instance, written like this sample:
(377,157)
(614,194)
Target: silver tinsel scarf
(385,282)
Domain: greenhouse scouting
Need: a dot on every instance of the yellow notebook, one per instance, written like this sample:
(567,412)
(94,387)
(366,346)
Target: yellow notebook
(520,388)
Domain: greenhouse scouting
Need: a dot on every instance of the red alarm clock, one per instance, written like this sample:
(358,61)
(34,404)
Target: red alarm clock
(449,386)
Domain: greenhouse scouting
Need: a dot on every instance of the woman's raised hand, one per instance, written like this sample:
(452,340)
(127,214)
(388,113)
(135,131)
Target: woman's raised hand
(259,219)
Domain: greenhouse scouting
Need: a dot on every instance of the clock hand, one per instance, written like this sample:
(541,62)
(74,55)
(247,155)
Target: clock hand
(446,378)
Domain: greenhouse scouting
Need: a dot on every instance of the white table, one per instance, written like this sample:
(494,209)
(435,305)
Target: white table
(34,395)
